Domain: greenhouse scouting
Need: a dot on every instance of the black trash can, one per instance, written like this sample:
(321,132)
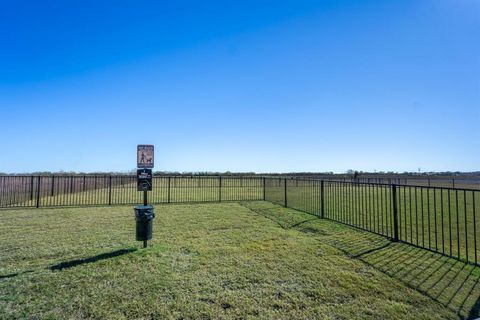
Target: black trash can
(144,217)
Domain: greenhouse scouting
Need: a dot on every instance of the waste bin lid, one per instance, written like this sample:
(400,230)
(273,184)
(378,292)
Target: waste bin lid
(147,207)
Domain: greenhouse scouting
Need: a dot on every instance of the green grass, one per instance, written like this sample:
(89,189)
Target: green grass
(441,220)
(250,260)
(445,221)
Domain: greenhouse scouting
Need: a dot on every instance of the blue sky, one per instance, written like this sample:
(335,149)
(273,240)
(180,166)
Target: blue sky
(265,86)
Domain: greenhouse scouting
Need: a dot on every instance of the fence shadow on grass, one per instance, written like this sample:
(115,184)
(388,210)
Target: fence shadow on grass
(103,256)
(450,282)
(12,275)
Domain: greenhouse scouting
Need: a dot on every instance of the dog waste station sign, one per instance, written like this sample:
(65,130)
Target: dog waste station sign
(144,213)
(144,179)
(145,158)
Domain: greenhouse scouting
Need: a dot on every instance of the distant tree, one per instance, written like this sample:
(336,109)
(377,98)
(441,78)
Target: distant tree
(356,175)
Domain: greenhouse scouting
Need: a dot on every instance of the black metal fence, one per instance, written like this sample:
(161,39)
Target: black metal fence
(423,182)
(439,219)
(50,191)
(434,181)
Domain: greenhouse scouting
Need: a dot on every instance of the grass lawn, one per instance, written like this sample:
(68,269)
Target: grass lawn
(441,220)
(445,221)
(220,260)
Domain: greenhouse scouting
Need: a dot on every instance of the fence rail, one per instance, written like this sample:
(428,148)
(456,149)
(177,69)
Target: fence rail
(439,219)
(51,191)
(472,182)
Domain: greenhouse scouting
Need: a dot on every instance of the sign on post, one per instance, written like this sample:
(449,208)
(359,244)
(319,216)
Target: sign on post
(144,179)
(145,158)
(144,214)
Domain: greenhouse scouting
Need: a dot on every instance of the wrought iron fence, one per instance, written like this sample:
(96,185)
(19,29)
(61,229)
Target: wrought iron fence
(439,219)
(50,191)
(472,182)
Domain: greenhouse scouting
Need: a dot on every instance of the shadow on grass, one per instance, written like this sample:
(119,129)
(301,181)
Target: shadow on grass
(452,283)
(12,275)
(103,256)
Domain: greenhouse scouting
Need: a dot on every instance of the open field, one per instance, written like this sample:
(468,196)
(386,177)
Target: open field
(249,260)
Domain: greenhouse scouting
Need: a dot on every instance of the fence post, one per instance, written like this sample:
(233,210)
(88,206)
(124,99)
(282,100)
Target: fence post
(219,188)
(4,191)
(322,202)
(285,192)
(83,182)
(453,183)
(31,188)
(168,190)
(2,188)
(53,185)
(395,212)
(110,191)
(263,188)
(38,192)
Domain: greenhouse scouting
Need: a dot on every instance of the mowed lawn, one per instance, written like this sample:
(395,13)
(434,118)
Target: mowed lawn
(442,220)
(225,260)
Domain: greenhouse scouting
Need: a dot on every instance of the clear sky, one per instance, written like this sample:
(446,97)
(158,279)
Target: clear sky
(251,85)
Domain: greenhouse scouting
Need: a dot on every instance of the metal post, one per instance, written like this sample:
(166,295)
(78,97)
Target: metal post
(322,202)
(84,183)
(395,212)
(220,189)
(2,190)
(168,190)
(285,192)
(53,186)
(263,179)
(145,203)
(110,191)
(38,192)
(31,188)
